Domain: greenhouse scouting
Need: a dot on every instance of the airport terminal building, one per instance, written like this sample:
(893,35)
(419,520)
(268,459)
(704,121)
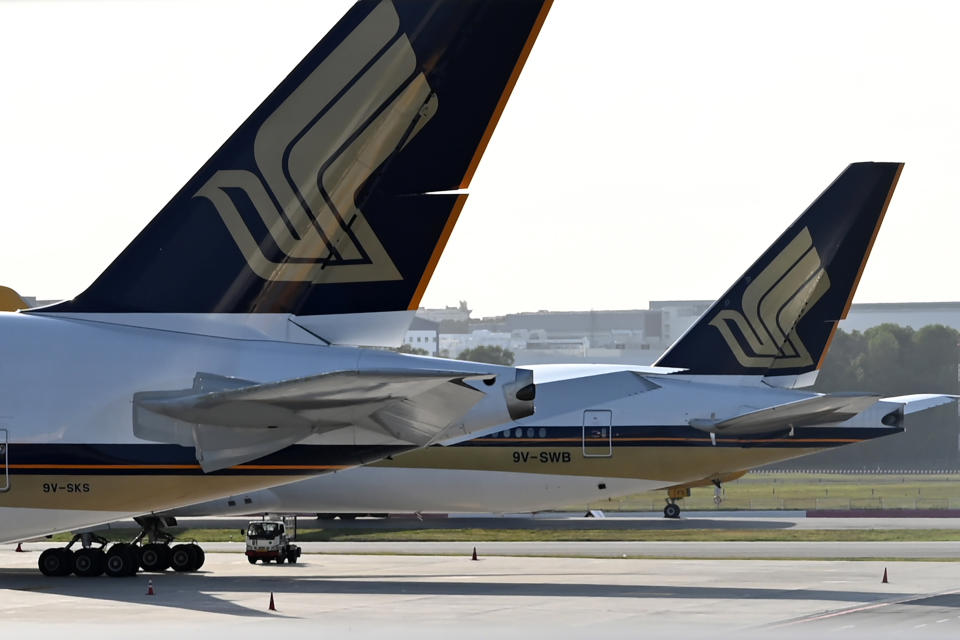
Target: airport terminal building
(635,336)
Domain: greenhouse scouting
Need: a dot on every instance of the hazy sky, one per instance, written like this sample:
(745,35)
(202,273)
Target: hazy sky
(651,150)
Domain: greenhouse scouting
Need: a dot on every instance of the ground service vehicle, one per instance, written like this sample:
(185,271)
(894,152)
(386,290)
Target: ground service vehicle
(267,540)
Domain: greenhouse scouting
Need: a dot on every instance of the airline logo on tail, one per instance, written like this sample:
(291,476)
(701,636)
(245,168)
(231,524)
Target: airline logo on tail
(364,102)
(772,305)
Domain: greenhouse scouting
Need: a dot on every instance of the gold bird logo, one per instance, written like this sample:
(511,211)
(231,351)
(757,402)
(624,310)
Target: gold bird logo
(771,307)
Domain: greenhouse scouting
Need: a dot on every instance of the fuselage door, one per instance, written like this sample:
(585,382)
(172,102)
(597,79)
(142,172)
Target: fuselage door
(597,433)
(4,460)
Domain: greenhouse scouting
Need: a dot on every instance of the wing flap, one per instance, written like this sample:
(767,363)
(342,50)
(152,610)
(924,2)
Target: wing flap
(230,421)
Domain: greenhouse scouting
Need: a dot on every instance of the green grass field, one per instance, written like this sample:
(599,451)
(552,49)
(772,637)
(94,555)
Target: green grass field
(762,491)
(565,535)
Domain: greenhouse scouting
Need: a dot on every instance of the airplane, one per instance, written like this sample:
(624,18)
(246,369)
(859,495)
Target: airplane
(721,400)
(219,351)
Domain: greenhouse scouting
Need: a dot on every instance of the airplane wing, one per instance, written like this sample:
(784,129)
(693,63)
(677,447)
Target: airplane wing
(230,421)
(802,413)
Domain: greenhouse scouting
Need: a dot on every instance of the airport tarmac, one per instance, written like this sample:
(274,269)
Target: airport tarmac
(528,597)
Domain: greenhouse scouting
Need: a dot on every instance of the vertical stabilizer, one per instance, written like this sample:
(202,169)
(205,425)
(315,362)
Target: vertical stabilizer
(779,317)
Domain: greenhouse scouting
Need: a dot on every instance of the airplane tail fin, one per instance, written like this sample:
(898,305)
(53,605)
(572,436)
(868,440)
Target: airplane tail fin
(779,317)
(323,201)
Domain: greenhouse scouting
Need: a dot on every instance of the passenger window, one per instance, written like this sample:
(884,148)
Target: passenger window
(543,432)
(518,433)
(529,432)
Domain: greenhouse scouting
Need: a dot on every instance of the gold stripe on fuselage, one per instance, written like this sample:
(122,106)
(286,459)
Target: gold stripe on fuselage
(132,493)
(666,463)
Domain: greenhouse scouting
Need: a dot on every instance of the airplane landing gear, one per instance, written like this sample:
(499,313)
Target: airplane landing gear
(56,562)
(86,562)
(123,558)
(672,510)
(158,555)
(717,493)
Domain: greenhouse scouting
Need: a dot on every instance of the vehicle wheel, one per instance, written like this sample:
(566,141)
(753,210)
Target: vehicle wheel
(55,562)
(89,563)
(281,557)
(183,557)
(121,561)
(251,560)
(348,516)
(672,511)
(201,556)
(291,557)
(154,557)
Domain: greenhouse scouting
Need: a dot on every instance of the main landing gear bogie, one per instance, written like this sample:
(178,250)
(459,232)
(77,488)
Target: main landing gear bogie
(123,559)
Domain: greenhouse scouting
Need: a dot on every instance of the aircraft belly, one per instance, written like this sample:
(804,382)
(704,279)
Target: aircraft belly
(386,490)
(19,524)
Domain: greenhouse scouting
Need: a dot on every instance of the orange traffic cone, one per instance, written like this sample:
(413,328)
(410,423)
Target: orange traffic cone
(271,607)
(474,554)
(884,581)
(19,549)
(150,588)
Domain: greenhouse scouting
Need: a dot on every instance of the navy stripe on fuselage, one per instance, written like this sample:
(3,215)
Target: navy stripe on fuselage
(170,459)
(679,436)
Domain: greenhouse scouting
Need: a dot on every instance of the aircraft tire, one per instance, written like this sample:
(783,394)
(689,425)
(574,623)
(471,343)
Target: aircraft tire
(56,562)
(89,563)
(183,557)
(121,561)
(672,511)
(199,556)
(154,557)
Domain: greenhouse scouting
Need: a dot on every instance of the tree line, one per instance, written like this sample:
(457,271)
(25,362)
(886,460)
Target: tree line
(893,360)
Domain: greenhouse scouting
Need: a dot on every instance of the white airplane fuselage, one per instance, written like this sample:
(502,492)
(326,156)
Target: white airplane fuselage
(593,437)
(72,458)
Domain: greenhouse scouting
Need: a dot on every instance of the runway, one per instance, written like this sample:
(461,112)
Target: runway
(531,597)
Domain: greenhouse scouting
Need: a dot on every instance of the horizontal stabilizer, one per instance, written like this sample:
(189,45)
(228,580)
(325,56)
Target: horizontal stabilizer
(808,412)
(918,402)
(10,300)
(231,421)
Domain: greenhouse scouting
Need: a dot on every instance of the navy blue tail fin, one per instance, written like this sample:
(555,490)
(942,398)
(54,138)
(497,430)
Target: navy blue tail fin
(322,201)
(779,317)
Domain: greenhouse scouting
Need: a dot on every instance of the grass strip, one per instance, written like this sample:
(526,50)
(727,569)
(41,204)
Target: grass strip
(569,535)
